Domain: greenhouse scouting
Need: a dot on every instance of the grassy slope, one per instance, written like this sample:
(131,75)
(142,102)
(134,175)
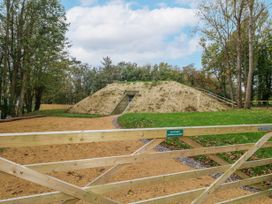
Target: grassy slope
(257,116)
(62,113)
(132,120)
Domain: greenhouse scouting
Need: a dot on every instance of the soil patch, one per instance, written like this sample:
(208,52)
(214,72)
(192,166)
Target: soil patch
(57,124)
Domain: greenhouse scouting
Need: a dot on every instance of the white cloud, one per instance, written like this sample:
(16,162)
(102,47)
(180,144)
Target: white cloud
(124,34)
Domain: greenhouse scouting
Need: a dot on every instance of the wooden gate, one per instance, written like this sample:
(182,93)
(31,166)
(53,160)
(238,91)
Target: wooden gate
(93,192)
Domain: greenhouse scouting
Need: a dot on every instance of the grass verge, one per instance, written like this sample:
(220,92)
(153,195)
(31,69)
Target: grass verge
(232,117)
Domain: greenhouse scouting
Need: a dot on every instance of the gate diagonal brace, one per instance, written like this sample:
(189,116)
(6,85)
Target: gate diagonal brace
(103,177)
(219,160)
(28,174)
(217,183)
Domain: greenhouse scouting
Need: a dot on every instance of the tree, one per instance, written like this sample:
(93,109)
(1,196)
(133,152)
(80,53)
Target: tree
(32,37)
(256,10)
(263,73)
(229,38)
(238,11)
(221,19)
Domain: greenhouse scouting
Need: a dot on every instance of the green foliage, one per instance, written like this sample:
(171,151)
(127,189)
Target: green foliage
(225,40)
(32,39)
(263,74)
(2,149)
(76,80)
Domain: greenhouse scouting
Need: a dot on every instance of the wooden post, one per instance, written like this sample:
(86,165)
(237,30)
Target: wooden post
(216,184)
(51,182)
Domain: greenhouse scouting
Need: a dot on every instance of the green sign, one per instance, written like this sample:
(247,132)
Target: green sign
(174,133)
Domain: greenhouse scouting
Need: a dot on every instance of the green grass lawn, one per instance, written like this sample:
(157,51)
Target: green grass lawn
(139,120)
(62,113)
(232,117)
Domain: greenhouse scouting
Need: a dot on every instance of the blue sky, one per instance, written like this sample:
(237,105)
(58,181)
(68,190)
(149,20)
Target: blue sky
(149,3)
(142,31)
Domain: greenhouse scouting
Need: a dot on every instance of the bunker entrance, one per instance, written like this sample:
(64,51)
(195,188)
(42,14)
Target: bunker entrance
(125,101)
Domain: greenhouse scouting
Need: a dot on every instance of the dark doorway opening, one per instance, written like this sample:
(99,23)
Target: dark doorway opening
(125,101)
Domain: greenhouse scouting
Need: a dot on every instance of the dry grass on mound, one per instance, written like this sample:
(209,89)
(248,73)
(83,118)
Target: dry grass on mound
(162,97)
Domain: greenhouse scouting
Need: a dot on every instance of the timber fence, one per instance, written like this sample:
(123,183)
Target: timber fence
(94,191)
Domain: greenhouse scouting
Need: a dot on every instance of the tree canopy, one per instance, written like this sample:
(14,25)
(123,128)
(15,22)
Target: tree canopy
(236,38)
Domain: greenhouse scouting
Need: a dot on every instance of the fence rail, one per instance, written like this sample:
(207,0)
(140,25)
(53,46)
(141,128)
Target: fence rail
(92,193)
(218,97)
(86,136)
(229,102)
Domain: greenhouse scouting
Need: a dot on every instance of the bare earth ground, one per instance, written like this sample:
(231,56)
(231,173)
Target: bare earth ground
(14,187)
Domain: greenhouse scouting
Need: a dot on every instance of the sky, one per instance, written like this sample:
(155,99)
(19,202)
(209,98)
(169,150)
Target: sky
(140,31)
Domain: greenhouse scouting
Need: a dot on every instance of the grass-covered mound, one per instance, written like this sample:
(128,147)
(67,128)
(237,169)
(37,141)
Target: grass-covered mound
(158,97)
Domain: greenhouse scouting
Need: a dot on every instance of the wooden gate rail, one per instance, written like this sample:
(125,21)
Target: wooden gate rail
(196,192)
(245,198)
(57,197)
(218,160)
(218,182)
(92,192)
(104,176)
(51,182)
(104,188)
(128,159)
(107,174)
(70,137)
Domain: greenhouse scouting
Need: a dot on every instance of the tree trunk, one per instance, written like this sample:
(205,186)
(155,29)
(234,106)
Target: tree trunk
(229,75)
(28,103)
(20,110)
(250,53)
(5,82)
(239,10)
(231,90)
(14,64)
(21,60)
(38,98)
(29,99)
(239,69)
(1,82)
(13,90)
